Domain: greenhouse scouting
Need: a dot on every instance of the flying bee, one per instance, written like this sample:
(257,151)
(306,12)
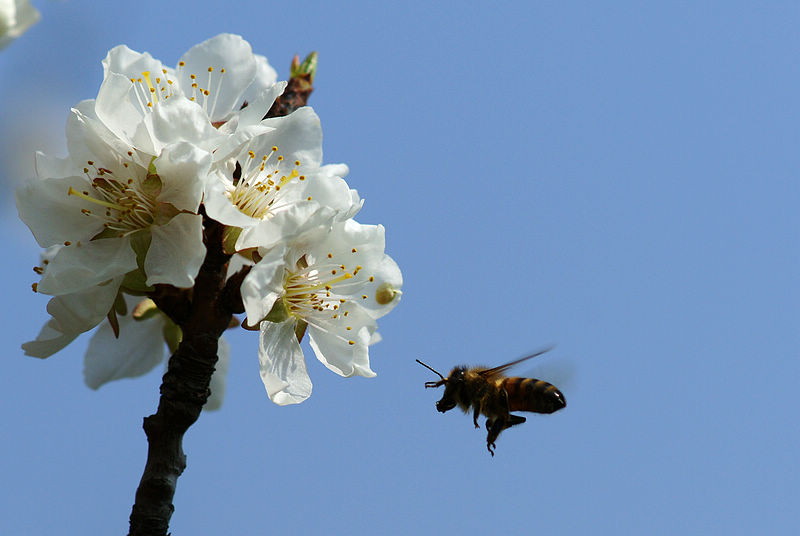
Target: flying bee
(489,392)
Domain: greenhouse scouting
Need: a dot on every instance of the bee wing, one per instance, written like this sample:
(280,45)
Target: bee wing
(496,371)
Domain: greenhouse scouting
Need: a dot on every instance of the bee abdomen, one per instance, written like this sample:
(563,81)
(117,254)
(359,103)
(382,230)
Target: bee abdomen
(529,394)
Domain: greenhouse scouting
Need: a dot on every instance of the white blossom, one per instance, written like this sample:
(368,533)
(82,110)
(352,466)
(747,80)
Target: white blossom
(275,187)
(108,202)
(200,100)
(337,283)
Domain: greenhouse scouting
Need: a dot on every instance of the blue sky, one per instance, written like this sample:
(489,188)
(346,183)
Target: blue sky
(619,180)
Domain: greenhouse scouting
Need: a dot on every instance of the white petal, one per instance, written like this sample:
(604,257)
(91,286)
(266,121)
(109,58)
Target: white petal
(283,369)
(331,191)
(228,52)
(176,251)
(49,341)
(72,314)
(129,63)
(179,119)
(53,215)
(259,103)
(183,169)
(88,138)
(386,272)
(219,206)
(52,166)
(81,266)
(217,386)
(265,77)
(138,350)
(299,218)
(345,352)
(122,111)
(263,285)
(298,136)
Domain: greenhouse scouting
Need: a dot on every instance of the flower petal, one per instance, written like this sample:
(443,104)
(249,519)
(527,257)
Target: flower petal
(283,369)
(299,218)
(179,119)
(263,285)
(72,314)
(345,352)
(129,63)
(224,65)
(176,251)
(265,77)
(53,215)
(49,341)
(81,266)
(138,350)
(298,136)
(219,206)
(183,169)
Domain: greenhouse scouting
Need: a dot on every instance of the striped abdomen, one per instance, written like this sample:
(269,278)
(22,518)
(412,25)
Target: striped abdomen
(529,394)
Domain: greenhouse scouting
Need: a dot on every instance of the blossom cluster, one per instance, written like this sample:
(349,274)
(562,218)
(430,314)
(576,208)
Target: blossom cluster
(160,149)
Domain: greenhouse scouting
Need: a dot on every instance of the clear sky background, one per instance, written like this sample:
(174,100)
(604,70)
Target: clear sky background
(619,179)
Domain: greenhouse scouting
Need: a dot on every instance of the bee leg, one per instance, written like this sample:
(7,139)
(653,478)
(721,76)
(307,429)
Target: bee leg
(514,420)
(494,431)
(475,414)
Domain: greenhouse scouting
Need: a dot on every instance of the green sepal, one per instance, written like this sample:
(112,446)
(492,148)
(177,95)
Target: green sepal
(279,312)
(135,283)
(172,335)
(140,242)
(113,322)
(300,329)
(152,185)
(229,237)
(164,213)
(120,306)
(108,233)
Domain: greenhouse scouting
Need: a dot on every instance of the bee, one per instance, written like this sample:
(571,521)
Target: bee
(489,392)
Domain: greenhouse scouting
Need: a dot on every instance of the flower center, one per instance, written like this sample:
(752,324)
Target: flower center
(262,183)
(123,204)
(308,291)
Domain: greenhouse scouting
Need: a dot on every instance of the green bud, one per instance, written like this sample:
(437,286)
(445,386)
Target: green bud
(309,66)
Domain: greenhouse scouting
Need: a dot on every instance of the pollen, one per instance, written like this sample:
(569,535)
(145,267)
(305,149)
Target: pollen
(259,193)
(308,292)
(119,202)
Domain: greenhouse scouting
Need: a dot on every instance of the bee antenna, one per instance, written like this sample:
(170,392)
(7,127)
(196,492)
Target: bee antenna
(431,369)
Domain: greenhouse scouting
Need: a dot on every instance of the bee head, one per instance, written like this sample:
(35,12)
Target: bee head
(452,388)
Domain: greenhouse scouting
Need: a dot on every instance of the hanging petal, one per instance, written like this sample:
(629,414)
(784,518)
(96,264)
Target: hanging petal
(283,369)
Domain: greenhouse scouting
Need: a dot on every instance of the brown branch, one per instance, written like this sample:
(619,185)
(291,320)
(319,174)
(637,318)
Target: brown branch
(184,391)
(294,96)
(202,313)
